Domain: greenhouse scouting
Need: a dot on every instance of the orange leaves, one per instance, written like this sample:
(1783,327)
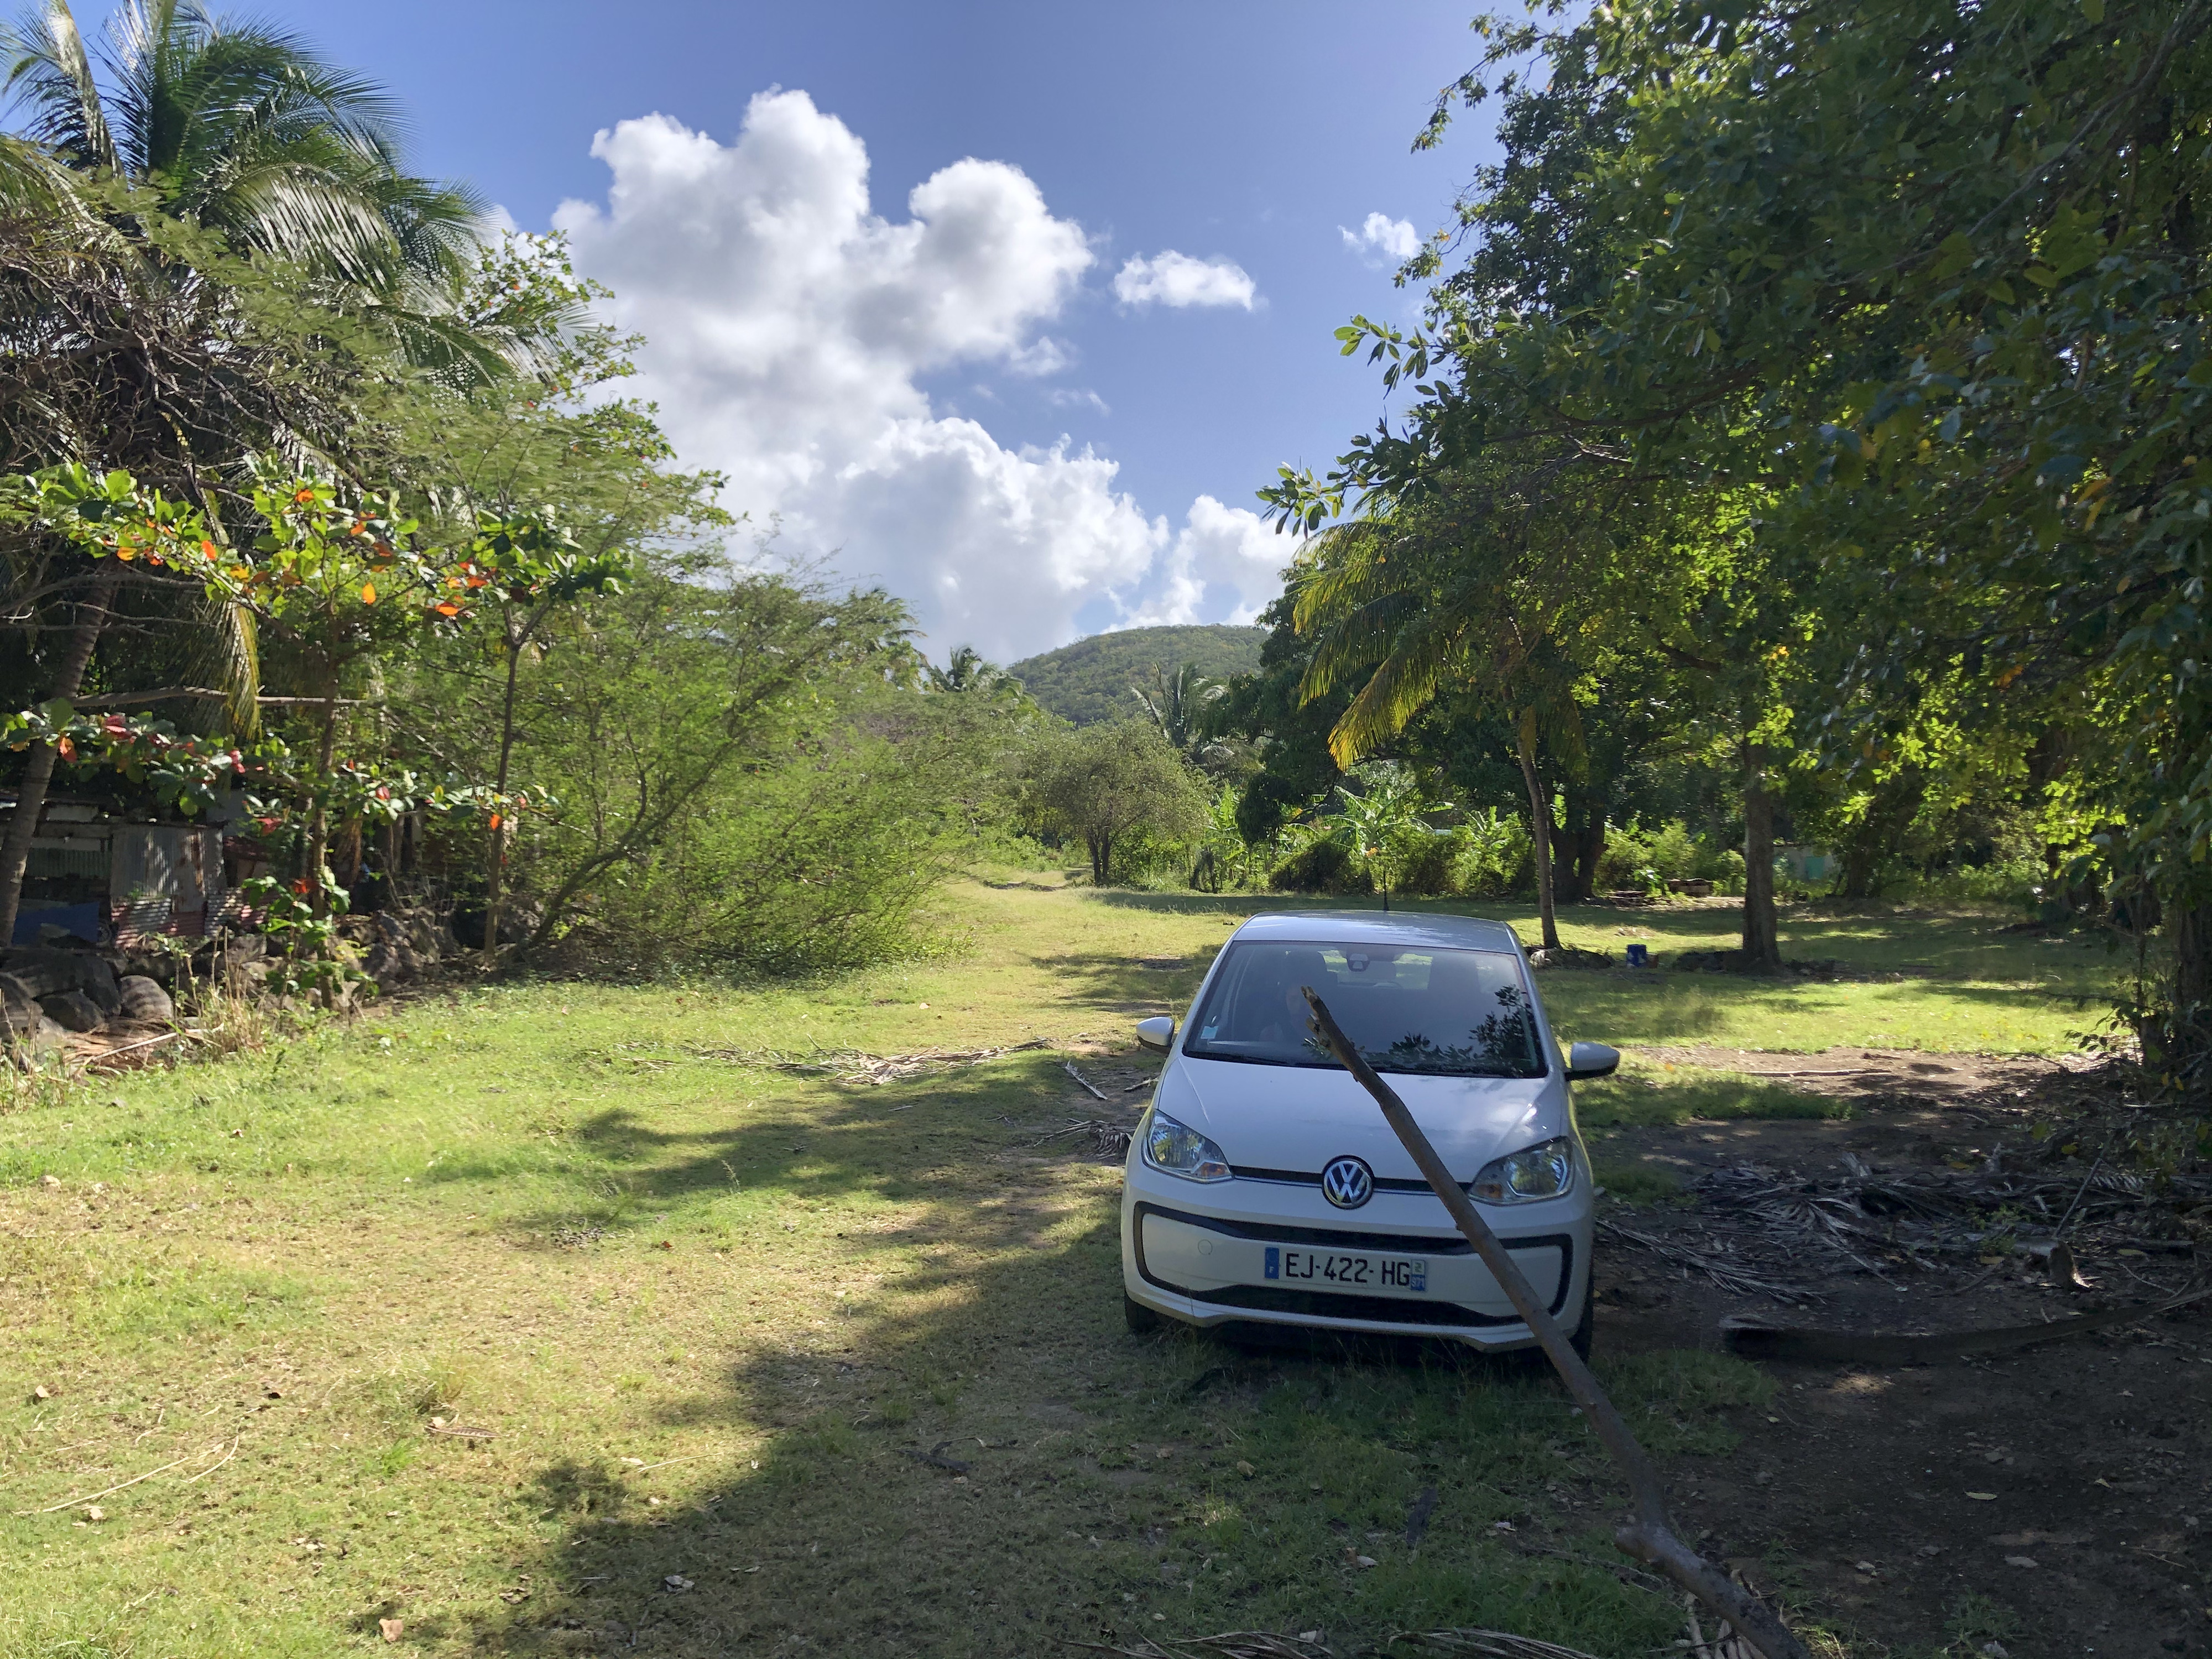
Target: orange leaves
(446,608)
(368,592)
(496,820)
(67,751)
(207,551)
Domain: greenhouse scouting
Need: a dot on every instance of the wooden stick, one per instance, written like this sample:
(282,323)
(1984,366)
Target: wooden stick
(1068,1066)
(71,1503)
(1650,1536)
(212,1467)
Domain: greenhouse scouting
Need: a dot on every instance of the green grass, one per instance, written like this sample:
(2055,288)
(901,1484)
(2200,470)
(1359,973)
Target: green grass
(1949,982)
(707,1310)
(1643,1093)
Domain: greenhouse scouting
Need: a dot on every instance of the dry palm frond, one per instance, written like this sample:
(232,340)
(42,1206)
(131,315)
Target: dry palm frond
(1267,1645)
(1230,1644)
(1487,1644)
(856,1066)
(1106,1136)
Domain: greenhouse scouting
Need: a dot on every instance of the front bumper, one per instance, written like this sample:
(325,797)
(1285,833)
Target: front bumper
(1212,1254)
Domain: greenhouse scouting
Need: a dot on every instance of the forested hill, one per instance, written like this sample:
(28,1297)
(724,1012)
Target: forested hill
(1089,681)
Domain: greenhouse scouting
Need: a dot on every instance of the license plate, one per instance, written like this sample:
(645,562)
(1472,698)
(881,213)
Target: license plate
(1346,1270)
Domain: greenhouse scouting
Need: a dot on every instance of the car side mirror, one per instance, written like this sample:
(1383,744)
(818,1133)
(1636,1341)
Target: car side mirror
(1589,1059)
(1156,1033)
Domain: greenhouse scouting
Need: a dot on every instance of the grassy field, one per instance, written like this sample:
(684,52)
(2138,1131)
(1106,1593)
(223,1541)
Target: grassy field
(706,1319)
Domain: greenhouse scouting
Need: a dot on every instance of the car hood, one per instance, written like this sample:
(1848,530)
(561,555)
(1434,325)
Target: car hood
(1297,1118)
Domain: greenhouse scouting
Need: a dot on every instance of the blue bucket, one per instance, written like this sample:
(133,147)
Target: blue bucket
(1639,956)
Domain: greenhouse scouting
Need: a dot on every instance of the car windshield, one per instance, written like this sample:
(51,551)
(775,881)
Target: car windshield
(1448,1014)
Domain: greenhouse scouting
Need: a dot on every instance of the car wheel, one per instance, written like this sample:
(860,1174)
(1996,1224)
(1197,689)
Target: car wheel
(1141,1320)
(1579,1338)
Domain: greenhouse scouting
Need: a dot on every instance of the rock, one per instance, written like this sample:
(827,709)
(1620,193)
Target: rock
(98,988)
(140,999)
(48,1038)
(46,972)
(19,1009)
(73,1011)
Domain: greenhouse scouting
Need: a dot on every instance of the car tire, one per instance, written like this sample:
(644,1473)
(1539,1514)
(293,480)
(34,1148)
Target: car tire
(1141,1320)
(1579,1338)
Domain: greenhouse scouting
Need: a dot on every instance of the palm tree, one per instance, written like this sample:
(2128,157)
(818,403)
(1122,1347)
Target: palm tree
(1473,589)
(241,128)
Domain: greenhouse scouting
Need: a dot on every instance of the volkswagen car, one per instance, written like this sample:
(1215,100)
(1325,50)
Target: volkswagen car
(1264,1185)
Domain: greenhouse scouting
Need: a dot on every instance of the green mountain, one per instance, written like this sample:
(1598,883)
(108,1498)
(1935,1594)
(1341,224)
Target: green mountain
(1089,681)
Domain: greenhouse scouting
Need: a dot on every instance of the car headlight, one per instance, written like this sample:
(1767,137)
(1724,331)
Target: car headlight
(1180,1149)
(1544,1171)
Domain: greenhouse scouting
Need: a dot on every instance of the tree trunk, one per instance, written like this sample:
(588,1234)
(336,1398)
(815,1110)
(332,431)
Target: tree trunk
(319,821)
(497,856)
(1762,935)
(2185,1045)
(39,772)
(1539,829)
(1575,873)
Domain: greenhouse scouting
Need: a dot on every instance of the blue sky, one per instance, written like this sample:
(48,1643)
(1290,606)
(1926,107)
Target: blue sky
(952,398)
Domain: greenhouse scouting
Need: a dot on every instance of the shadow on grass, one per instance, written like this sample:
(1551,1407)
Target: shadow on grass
(973,1457)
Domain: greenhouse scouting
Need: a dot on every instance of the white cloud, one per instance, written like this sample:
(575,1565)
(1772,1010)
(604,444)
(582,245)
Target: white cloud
(1383,234)
(1041,357)
(1225,566)
(1169,278)
(1061,397)
(788,327)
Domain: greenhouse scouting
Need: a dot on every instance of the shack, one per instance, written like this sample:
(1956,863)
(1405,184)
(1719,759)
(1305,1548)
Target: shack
(107,879)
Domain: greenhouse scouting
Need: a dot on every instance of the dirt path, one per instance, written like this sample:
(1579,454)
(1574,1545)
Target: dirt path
(2056,1502)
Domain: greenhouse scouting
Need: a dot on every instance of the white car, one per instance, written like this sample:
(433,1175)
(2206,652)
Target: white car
(1264,1185)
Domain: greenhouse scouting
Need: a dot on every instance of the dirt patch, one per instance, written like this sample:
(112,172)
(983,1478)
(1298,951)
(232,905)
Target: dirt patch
(1885,1072)
(2057,1502)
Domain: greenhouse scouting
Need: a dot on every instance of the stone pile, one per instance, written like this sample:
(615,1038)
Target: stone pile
(47,991)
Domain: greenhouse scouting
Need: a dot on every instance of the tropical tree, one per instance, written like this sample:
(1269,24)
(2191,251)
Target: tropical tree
(1105,782)
(239,127)
(1477,586)
(1383,822)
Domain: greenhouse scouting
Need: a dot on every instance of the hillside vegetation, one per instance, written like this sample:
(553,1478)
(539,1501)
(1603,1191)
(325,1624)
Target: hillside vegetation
(1089,681)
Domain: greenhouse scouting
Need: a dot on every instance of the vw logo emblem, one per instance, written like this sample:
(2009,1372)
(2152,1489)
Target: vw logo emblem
(1348,1183)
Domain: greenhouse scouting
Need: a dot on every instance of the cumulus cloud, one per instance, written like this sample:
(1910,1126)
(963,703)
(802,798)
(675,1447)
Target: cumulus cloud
(1224,565)
(1382,234)
(1169,278)
(788,323)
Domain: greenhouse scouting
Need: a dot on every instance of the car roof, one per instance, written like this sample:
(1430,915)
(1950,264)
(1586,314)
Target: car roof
(1376,927)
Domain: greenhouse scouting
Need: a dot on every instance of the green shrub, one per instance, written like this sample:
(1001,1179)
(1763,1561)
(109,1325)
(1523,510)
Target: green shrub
(1323,866)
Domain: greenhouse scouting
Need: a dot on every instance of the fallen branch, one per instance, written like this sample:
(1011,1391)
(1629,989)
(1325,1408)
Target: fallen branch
(1650,1536)
(94,1061)
(1069,1067)
(1758,1341)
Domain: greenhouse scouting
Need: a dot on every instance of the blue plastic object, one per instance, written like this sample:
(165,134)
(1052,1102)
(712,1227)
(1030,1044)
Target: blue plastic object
(82,920)
(1639,956)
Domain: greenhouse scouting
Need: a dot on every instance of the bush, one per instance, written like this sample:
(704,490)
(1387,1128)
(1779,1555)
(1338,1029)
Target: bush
(1430,869)
(1492,857)
(1638,857)
(1324,866)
